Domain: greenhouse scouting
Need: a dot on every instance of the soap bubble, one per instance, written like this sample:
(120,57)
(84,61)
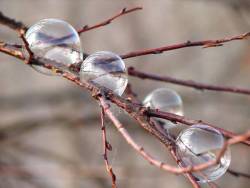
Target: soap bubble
(106,69)
(200,144)
(56,40)
(166,100)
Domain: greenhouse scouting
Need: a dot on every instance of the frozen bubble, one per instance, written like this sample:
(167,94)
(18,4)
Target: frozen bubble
(200,144)
(106,69)
(166,100)
(56,40)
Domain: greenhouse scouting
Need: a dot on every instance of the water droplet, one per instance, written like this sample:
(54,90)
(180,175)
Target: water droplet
(56,40)
(199,144)
(166,100)
(106,69)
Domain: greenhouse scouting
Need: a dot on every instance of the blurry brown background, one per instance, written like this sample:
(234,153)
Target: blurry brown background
(50,129)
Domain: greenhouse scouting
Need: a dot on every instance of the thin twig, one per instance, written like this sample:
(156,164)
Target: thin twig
(10,50)
(26,45)
(204,44)
(189,83)
(107,146)
(109,20)
(238,174)
(189,175)
(11,23)
(186,121)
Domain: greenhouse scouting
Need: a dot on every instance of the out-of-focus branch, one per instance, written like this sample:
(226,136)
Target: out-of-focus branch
(204,44)
(238,174)
(109,20)
(189,83)
(11,23)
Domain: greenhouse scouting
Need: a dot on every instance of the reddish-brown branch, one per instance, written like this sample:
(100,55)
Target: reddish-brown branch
(131,108)
(106,147)
(187,121)
(26,45)
(189,175)
(204,44)
(189,83)
(159,164)
(10,50)
(109,20)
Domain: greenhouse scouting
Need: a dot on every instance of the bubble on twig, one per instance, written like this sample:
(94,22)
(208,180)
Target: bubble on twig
(200,144)
(56,40)
(167,100)
(106,69)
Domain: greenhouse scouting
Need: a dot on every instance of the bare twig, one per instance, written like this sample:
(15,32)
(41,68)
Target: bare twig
(204,44)
(10,50)
(107,146)
(11,23)
(186,121)
(189,83)
(189,175)
(159,164)
(238,174)
(26,45)
(109,20)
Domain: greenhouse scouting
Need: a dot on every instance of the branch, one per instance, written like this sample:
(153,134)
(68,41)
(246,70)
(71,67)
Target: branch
(204,44)
(238,174)
(11,50)
(182,119)
(189,175)
(135,110)
(188,83)
(109,20)
(107,146)
(159,164)
(12,23)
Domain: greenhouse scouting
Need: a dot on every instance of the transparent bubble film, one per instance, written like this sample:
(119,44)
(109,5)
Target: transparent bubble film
(166,100)
(56,40)
(106,69)
(200,144)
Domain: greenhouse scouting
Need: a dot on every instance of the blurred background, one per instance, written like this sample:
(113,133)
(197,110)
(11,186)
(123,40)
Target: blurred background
(50,133)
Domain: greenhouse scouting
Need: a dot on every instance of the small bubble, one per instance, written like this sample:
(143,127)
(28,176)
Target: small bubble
(166,100)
